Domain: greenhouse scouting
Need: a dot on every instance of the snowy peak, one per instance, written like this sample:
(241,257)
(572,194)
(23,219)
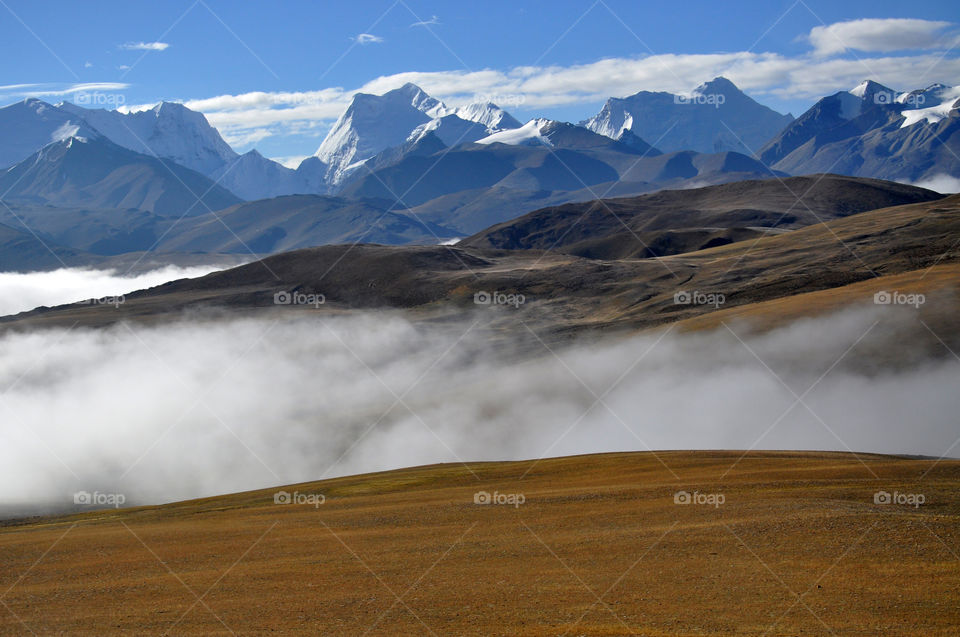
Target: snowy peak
(931,105)
(714,117)
(488,114)
(95,172)
(167,130)
(373,123)
(867,89)
(31,124)
(253,176)
(718,86)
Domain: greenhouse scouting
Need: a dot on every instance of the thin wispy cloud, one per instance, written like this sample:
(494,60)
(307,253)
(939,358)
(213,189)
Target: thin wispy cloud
(367,38)
(18,87)
(145,46)
(57,90)
(425,23)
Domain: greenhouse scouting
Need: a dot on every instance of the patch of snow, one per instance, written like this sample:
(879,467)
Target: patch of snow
(66,131)
(527,135)
(936,113)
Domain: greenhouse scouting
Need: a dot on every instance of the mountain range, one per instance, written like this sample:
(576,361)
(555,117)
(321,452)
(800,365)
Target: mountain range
(404,167)
(873,131)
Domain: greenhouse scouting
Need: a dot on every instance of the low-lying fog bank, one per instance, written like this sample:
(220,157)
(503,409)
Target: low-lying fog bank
(22,291)
(194,409)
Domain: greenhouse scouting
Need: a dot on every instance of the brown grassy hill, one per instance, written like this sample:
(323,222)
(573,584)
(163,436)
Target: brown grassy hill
(565,294)
(598,547)
(647,225)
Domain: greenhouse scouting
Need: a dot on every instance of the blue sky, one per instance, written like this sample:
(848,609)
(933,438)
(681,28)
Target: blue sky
(275,74)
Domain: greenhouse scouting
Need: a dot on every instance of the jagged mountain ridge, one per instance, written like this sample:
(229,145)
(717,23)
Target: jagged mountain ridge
(874,131)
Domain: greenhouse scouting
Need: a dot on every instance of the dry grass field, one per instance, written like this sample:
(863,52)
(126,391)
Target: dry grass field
(781,543)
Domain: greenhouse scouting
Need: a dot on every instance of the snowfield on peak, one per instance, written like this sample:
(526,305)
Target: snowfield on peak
(529,134)
(936,113)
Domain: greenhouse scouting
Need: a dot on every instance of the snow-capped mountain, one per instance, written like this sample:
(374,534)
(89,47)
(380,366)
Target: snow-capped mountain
(167,130)
(374,123)
(253,176)
(717,116)
(96,173)
(873,131)
(31,124)
(930,105)
(488,114)
(173,131)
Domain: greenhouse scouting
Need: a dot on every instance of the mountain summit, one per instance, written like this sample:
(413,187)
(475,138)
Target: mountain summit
(169,130)
(873,131)
(373,123)
(715,117)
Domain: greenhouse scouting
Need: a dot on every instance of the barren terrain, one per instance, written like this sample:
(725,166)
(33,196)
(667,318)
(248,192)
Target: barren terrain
(794,544)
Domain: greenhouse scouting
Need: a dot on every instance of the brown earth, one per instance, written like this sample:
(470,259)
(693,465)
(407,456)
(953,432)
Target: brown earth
(599,547)
(918,245)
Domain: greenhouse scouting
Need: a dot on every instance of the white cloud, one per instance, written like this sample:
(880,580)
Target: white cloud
(98,401)
(17,88)
(368,38)
(88,65)
(58,90)
(425,23)
(941,183)
(760,74)
(26,290)
(893,34)
(250,117)
(145,46)
(240,138)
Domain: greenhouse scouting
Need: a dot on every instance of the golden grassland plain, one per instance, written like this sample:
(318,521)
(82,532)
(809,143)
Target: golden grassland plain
(598,546)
